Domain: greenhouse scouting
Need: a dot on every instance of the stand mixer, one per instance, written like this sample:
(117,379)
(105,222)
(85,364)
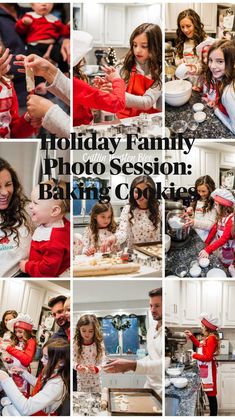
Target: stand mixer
(175,342)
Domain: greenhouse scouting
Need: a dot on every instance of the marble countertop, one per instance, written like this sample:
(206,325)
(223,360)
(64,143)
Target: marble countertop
(225,358)
(212,127)
(187,253)
(187,396)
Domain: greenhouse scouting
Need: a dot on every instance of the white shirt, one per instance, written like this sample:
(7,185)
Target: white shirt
(151,365)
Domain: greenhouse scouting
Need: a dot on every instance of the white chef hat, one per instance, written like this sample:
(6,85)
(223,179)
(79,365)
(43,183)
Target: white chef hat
(207,43)
(223,197)
(82,44)
(209,320)
(23,321)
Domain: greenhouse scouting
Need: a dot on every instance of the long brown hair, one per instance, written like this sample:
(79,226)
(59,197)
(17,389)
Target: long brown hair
(15,215)
(154,36)
(3,327)
(223,211)
(86,320)
(210,184)
(26,336)
(228,50)
(97,209)
(77,71)
(211,332)
(153,204)
(199,33)
(58,362)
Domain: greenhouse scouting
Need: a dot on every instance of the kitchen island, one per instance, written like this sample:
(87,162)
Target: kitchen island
(183,402)
(188,251)
(212,127)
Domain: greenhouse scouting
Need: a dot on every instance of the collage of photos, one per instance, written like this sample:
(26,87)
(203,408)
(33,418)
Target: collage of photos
(117,208)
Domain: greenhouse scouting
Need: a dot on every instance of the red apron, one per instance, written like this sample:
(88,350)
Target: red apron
(137,85)
(36,390)
(215,91)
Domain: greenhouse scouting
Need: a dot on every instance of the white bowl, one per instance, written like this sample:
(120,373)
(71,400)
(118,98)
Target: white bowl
(180,382)
(181,71)
(199,116)
(167,382)
(177,92)
(216,273)
(204,262)
(195,271)
(173,372)
(197,107)
(167,242)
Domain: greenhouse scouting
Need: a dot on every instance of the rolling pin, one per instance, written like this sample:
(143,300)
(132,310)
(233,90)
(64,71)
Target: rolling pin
(104,398)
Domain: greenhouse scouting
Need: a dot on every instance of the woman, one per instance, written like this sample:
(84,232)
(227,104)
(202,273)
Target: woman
(140,218)
(8,315)
(207,349)
(14,221)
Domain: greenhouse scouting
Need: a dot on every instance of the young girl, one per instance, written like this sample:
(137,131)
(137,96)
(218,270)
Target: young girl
(86,97)
(89,353)
(15,225)
(207,349)
(222,229)
(140,219)
(141,71)
(11,124)
(50,247)
(102,227)
(50,388)
(190,33)
(219,88)
(202,209)
(21,348)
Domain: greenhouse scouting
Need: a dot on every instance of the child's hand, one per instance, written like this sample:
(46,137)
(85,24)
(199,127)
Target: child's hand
(111,73)
(4,345)
(92,368)
(27,20)
(102,84)
(39,65)
(82,369)
(188,333)
(91,251)
(203,254)
(108,243)
(189,210)
(192,69)
(211,103)
(16,370)
(22,265)
(37,106)
(189,223)
(5,61)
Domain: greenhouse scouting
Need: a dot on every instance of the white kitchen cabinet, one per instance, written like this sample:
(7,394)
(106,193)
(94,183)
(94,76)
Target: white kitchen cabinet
(228,303)
(12,295)
(127,380)
(211,297)
(137,14)
(172,302)
(226,386)
(33,301)
(209,162)
(206,11)
(93,21)
(190,302)
(193,159)
(227,159)
(114,25)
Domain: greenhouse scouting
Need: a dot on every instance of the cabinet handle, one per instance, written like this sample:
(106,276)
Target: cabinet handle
(222,384)
(184,313)
(176,309)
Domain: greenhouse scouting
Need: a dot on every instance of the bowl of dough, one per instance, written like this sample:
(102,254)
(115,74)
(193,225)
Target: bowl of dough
(178,92)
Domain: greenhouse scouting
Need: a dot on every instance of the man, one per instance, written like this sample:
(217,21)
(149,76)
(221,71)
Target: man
(151,365)
(57,310)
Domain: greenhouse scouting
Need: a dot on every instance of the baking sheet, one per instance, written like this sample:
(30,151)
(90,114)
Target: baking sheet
(140,402)
(150,249)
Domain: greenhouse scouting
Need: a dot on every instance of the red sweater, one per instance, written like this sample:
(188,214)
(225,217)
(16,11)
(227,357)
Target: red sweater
(86,97)
(227,235)
(42,27)
(50,258)
(209,347)
(11,124)
(25,356)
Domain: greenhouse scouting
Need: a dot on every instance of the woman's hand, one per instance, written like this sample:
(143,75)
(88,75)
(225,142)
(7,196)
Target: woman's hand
(189,222)
(188,333)
(91,251)
(5,61)
(38,106)
(39,65)
(192,69)
(203,254)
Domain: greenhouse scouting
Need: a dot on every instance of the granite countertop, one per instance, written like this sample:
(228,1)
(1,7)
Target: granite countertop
(187,396)
(187,253)
(212,127)
(225,358)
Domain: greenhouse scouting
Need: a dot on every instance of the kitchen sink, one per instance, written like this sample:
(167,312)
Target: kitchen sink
(125,356)
(171,405)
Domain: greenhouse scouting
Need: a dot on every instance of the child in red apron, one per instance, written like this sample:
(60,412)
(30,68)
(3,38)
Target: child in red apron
(222,229)
(207,349)
(21,352)
(86,97)
(219,89)
(50,388)
(141,71)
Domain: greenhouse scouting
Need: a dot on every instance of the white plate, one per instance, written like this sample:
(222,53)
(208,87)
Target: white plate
(167,382)
(216,273)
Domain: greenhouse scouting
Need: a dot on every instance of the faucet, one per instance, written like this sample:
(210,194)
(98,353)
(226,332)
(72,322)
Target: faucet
(119,350)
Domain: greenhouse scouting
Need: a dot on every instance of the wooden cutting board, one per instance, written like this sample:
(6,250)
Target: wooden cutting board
(105,269)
